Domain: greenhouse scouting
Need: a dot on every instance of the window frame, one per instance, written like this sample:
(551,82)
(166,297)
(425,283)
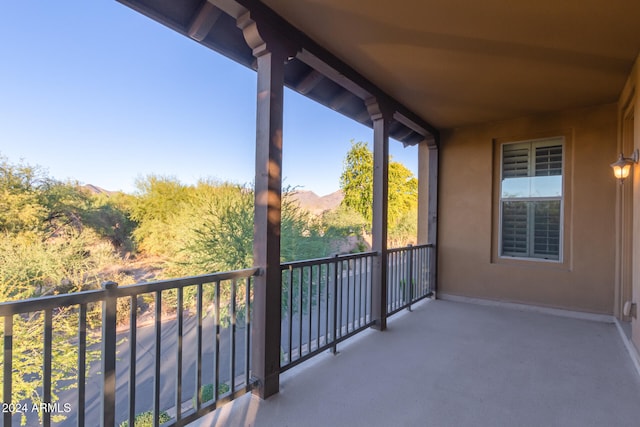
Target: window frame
(532,144)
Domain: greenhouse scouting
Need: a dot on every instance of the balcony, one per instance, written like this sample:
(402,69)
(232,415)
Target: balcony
(195,333)
(456,364)
(446,362)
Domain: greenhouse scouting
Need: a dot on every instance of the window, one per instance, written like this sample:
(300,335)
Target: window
(531,199)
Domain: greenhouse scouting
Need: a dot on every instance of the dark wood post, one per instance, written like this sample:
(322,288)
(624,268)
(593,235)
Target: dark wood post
(381,117)
(433,217)
(265,356)
(109,311)
(428,203)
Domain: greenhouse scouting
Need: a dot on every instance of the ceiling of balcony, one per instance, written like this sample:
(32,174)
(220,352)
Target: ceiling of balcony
(459,62)
(441,64)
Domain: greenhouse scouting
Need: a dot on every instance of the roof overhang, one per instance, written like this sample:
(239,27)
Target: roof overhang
(312,71)
(437,64)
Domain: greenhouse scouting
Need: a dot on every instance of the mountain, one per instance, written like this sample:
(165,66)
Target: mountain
(310,201)
(94,189)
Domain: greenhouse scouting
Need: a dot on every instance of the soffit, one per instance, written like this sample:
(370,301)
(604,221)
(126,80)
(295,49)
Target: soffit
(461,62)
(310,70)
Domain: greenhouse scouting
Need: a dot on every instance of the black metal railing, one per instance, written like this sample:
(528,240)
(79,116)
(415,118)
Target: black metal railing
(324,301)
(408,278)
(327,300)
(175,349)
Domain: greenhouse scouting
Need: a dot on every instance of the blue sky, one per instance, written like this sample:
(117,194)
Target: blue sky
(95,92)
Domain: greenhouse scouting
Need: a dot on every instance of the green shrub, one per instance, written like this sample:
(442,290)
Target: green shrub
(145,419)
(206,392)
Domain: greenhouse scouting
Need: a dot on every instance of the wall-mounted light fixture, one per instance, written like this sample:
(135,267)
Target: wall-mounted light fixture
(622,167)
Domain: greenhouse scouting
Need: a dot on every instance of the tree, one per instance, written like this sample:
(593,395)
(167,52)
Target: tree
(221,234)
(356,183)
(159,202)
(356,180)
(344,225)
(44,250)
(110,217)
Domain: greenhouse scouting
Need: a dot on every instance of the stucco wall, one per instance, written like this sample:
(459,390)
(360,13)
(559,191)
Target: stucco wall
(468,262)
(634,78)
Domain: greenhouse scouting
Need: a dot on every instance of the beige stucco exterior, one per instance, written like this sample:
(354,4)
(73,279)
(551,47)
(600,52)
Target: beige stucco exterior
(627,266)
(468,260)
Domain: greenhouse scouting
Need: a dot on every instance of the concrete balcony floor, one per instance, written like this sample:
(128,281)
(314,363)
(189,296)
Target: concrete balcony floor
(458,364)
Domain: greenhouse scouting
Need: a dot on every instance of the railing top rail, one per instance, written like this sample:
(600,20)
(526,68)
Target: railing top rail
(412,247)
(50,302)
(317,261)
(85,297)
(162,285)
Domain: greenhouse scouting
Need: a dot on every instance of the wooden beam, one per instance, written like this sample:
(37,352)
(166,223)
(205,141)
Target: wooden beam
(339,101)
(331,73)
(430,134)
(309,81)
(363,117)
(230,7)
(203,21)
(405,132)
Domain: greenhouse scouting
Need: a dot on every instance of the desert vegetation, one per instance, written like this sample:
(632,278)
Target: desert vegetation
(60,237)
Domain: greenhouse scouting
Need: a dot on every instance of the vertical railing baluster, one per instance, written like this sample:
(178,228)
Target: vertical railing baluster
(299,277)
(360,305)
(340,299)
(390,282)
(417,293)
(82,362)
(422,272)
(366,288)
(180,324)
(402,272)
(318,299)
(401,289)
(247,331)
(357,286)
(199,347)
(370,287)
(290,310)
(410,276)
(326,303)
(396,281)
(429,282)
(391,285)
(334,338)
(309,305)
(348,292)
(46,368)
(424,252)
(133,337)
(216,316)
(8,367)
(354,271)
(234,283)
(419,271)
(158,349)
(109,312)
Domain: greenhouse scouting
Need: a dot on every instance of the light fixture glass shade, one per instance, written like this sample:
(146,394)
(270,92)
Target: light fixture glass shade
(621,168)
